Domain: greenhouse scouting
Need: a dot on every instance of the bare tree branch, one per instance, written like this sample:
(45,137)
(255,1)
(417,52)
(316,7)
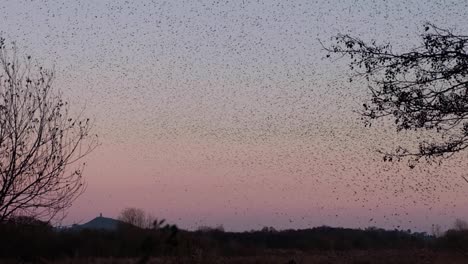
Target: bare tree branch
(39,142)
(424,88)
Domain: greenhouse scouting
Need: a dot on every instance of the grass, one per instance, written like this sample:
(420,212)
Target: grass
(290,257)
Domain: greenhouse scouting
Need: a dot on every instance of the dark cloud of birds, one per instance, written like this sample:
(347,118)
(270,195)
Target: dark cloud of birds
(240,91)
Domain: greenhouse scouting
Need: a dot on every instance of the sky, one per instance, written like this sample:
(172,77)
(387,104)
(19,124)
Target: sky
(229,112)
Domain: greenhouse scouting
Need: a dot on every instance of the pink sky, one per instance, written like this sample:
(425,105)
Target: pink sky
(286,185)
(228,112)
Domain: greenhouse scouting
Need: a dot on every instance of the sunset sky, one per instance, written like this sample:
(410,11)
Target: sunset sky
(229,112)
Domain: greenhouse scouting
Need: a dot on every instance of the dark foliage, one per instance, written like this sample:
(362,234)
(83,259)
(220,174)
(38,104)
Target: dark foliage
(456,240)
(30,241)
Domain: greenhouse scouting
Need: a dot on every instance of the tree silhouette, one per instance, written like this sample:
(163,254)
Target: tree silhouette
(39,141)
(424,88)
(135,217)
(157,224)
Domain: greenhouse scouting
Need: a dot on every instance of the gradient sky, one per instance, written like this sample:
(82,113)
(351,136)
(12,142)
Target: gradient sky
(228,112)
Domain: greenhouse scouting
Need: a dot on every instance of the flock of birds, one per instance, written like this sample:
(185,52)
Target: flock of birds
(233,104)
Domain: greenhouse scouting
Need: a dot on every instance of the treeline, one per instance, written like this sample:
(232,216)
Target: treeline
(30,239)
(324,238)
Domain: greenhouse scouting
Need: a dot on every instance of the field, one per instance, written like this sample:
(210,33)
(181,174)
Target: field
(289,257)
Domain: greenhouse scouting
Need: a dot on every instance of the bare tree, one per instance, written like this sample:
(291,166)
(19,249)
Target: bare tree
(460,225)
(137,217)
(134,216)
(436,231)
(423,88)
(39,142)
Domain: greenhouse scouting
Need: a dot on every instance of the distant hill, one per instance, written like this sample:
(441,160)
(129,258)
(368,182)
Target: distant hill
(99,223)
